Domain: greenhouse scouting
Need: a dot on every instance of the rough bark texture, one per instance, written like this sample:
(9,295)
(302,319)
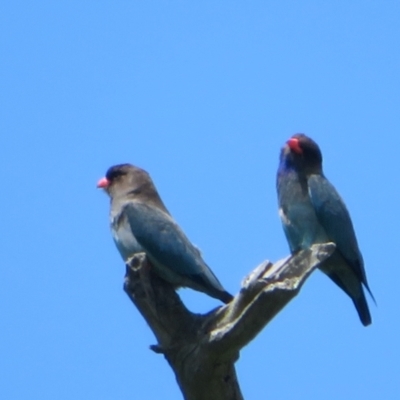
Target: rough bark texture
(202,349)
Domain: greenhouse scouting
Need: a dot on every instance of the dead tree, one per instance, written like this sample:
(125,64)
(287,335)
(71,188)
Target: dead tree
(202,349)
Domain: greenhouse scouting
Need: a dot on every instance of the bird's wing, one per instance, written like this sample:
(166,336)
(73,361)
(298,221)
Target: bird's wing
(335,219)
(165,242)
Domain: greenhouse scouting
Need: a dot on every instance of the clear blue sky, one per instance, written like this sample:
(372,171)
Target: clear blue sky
(202,95)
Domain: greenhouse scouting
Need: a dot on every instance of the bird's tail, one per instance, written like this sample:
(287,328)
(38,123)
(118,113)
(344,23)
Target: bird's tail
(348,281)
(225,297)
(356,293)
(362,308)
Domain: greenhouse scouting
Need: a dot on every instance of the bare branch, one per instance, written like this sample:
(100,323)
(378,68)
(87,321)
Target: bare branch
(264,293)
(202,349)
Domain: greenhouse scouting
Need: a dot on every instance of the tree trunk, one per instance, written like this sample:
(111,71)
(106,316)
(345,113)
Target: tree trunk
(202,349)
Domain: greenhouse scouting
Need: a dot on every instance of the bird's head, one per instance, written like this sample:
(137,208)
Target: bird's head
(123,179)
(302,153)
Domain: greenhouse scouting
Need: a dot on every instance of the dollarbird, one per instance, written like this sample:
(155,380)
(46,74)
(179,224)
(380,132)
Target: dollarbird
(312,211)
(140,222)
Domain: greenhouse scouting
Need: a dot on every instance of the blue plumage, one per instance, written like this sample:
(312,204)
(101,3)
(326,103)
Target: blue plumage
(141,223)
(312,211)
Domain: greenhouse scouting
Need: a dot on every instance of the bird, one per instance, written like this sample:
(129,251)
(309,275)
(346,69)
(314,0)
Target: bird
(312,211)
(140,222)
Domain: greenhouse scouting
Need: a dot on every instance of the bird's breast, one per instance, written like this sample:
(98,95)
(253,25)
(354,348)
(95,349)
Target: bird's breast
(123,237)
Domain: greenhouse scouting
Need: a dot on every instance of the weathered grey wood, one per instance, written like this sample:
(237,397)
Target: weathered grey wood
(202,349)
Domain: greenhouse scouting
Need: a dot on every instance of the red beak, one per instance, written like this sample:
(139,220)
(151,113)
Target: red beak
(294,145)
(103,183)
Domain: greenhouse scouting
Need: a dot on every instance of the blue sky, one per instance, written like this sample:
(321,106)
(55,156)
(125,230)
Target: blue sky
(202,95)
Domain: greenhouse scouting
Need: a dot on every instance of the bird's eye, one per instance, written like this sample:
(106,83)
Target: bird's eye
(114,174)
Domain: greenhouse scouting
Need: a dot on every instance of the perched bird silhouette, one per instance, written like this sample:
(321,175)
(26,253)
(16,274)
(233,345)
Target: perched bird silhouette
(312,211)
(140,222)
